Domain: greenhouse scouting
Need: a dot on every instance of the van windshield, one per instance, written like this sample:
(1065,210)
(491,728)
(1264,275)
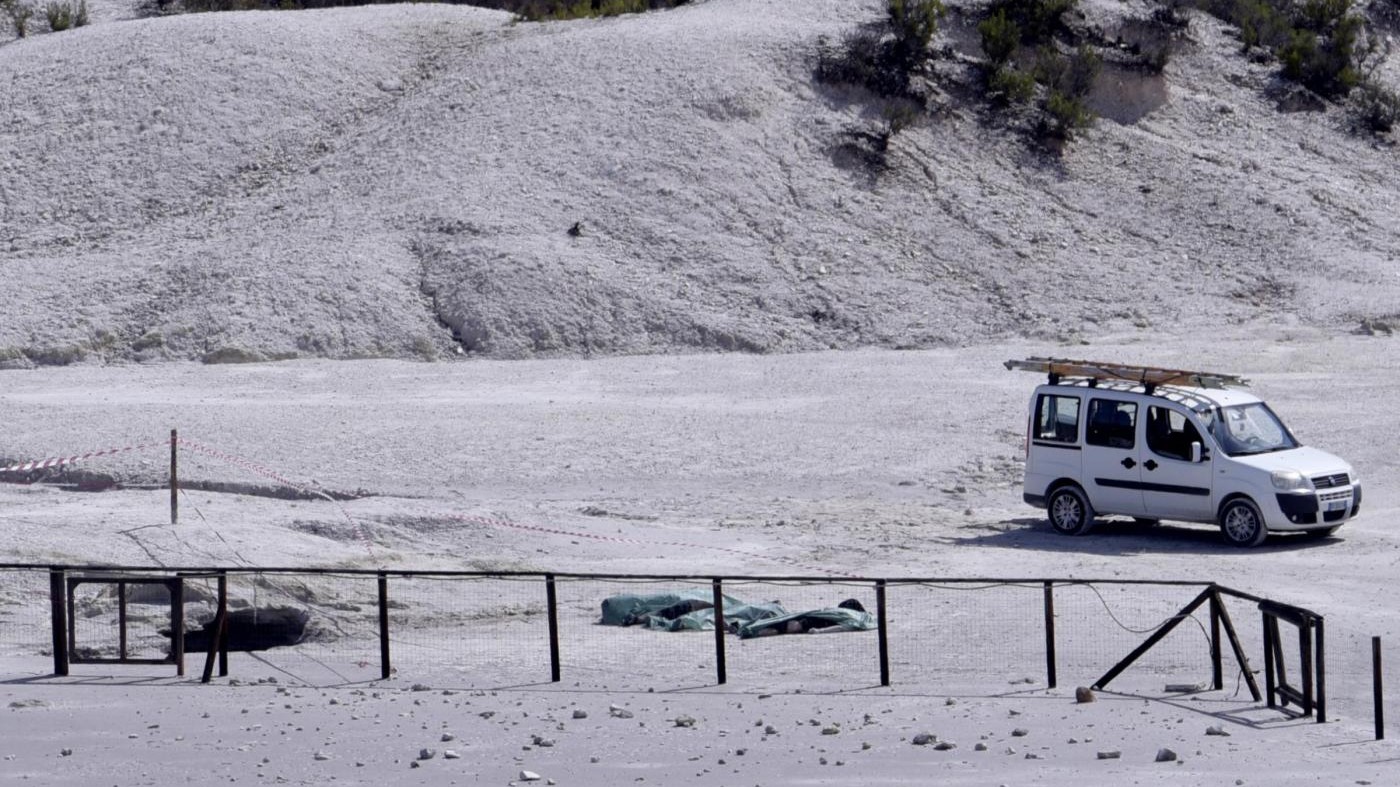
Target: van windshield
(1245,429)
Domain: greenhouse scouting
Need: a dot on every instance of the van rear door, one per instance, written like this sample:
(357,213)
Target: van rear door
(1112,473)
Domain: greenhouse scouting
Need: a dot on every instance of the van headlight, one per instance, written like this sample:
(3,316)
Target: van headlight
(1289,480)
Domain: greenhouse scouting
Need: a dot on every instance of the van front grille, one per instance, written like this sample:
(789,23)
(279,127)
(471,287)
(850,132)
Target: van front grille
(1329,481)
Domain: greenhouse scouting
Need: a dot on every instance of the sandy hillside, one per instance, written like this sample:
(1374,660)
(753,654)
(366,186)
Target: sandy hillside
(375,181)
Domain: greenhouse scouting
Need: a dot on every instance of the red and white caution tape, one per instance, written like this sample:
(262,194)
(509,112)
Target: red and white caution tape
(41,464)
(254,467)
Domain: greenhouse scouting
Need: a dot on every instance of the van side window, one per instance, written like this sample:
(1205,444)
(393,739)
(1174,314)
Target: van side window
(1057,418)
(1112,423)
(1170,433)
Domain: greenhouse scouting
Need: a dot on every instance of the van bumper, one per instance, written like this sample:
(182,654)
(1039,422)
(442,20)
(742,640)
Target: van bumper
(1036,500)
(1311,510)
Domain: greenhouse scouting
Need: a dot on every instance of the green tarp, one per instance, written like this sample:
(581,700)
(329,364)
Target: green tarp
(691,610)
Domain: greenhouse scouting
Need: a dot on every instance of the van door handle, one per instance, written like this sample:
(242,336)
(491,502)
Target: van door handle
(1129,463)
(1150,464)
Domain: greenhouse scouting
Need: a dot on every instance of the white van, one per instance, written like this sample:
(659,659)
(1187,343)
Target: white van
(1157,444)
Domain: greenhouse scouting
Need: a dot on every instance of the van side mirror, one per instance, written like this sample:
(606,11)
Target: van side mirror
(1197,453)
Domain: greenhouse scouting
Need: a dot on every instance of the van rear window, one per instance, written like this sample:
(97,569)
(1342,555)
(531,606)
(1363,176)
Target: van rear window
(1057,418)
(1112,423)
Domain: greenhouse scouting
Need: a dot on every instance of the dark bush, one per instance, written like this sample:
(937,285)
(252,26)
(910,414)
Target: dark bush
(1375,108)
(1006,86)
(1064,115)
(1324,64)
(914,23)
(1000,36)
(1038,20)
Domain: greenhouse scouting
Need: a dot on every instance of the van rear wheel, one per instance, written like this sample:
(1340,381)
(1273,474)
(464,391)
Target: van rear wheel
(1070,512)
(1242,524)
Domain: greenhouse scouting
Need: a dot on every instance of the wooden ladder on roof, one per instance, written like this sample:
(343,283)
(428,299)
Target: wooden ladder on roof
(1058,369)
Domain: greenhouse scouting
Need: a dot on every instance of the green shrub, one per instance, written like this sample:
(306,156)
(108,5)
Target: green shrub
(1038,20)
(1261,24)
(20,14)
(1000,36)
(1064,115)
(1324,65)
(59,15)
(1007,86)
(914,23)
(1375,108)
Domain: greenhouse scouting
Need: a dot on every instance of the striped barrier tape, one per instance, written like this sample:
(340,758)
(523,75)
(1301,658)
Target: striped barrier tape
(274,475)
(42,464)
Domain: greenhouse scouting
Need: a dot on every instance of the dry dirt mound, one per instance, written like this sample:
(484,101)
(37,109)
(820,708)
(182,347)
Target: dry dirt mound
(382,181)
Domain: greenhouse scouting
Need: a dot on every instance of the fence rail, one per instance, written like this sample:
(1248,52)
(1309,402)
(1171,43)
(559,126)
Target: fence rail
(527,627)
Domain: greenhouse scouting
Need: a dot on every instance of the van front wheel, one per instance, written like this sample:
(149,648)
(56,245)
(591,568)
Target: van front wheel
(1242,524)
(1070,512)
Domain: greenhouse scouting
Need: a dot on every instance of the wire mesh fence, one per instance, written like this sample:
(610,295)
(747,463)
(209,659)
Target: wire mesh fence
(476,630)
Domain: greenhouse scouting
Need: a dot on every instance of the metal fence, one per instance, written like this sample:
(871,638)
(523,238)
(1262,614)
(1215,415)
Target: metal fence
(494,630)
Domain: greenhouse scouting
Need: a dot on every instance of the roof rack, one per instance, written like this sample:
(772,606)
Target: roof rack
(1147,376)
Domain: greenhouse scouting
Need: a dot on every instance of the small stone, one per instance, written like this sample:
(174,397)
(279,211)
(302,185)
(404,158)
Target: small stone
(620,713)
(420,687)
(1030,755)
(924,739)
(980,746)
(529,776)
(594,759)
(1217,730)
(1109,755)
(65,752)
(1020,732)
(447,736)
(1084,694)
(426,754)
(945,746)
(1166,755)
(685,721)
(950,701)
(831,730)
(580,714)
(415,764)
(770,730)
(449,754)
(322,756)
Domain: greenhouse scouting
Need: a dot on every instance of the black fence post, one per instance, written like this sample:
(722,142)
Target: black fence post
(718,600)
(384,666)
(121,620)
(1321,667)
(177,623)
(223,631)
(884,632)
(552,604)
(1217,671)
(58,602)
(1376,687)
(1050,633)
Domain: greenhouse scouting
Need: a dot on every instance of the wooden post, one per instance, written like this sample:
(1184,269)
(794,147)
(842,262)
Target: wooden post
(174,477)
(384,666)
(884,632)
(717,592)
(552,613)
(1050,633)
(1376,687)
(58,605)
